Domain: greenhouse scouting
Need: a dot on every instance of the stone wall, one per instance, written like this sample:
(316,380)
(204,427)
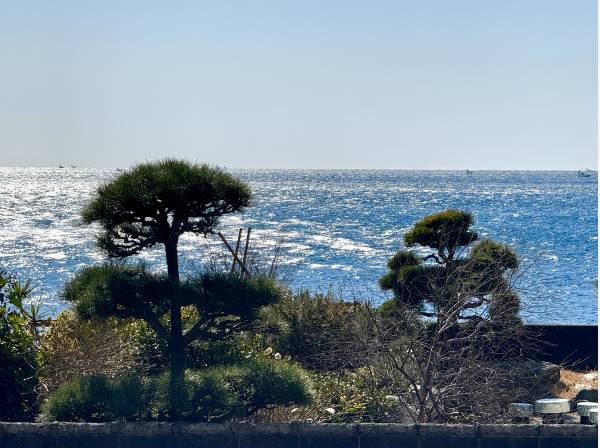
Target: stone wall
(295,435)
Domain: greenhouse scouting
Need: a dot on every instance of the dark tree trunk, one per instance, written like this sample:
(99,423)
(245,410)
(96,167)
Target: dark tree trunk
(172,259)
(178,363)
(176,344)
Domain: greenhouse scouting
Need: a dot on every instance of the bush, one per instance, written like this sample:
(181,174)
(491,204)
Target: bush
(96,399)
(339,398)
(203,354)
(223,392)
(74,347)
(206,397)
(313,330)
(211,397)
(82,399)
(128,399)
(18,354)
(354,399)
(268,382)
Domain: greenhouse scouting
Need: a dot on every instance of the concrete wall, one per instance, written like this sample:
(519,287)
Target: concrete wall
(571,345)
(295,435)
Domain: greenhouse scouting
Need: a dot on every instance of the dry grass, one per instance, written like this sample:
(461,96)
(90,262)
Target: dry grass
(572,382)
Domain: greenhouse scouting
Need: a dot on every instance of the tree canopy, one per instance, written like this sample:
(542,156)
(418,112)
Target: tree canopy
(459,275)
(444,231)
(157,202)
(225,303)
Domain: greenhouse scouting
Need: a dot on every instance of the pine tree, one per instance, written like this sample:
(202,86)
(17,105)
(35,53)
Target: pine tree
(460,278)
(155,203)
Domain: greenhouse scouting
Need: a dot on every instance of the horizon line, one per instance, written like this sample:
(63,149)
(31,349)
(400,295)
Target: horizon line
(314,169)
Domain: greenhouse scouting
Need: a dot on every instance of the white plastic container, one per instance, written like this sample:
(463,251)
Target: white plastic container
(584,408)
(523,410)
(552,406)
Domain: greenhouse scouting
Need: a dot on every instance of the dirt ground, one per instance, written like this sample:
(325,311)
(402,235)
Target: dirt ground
(572,382)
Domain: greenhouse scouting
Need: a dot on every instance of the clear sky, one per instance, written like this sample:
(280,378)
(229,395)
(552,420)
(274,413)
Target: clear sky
(408,84)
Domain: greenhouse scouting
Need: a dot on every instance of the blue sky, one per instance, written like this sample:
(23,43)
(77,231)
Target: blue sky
(310,84)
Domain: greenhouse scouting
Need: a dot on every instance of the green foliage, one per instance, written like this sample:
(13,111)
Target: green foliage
(442,231)
(210,394)
(134,208)
(204,354)
(211,397)
(96,399)
(18,360)
(504,310)
(225,303)
(403,259)
(312,329)
(266,381)
(72,347)
(448,281)
(353,399)
(237,390)
(128,398)
(82,399)
(206,397)
(118,289)
(492,255)
(227,294)
(153,353)
(409,278)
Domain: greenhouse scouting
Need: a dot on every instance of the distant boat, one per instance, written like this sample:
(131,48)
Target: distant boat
(468,172)
(583,174)
(60,166)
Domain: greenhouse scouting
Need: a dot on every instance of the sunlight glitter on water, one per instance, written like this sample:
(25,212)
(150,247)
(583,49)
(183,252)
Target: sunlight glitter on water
(336,228)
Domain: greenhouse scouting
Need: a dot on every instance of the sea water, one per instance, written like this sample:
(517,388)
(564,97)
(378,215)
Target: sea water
(331,229)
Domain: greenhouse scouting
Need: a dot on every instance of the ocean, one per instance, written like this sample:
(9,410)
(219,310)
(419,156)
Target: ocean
(332,229)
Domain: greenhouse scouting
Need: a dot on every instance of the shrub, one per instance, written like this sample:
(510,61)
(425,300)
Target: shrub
(339,398)
(354,399)
(313,329)
(211,397)
(206,396)
(128,398)
(203,354)
(74,347)
(96,399)
(218,393)
(269,382)
(18,355)
(82,399)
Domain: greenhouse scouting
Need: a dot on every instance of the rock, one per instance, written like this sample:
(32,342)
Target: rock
(546,372)
(587,395)
(537,377)
(539,371)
